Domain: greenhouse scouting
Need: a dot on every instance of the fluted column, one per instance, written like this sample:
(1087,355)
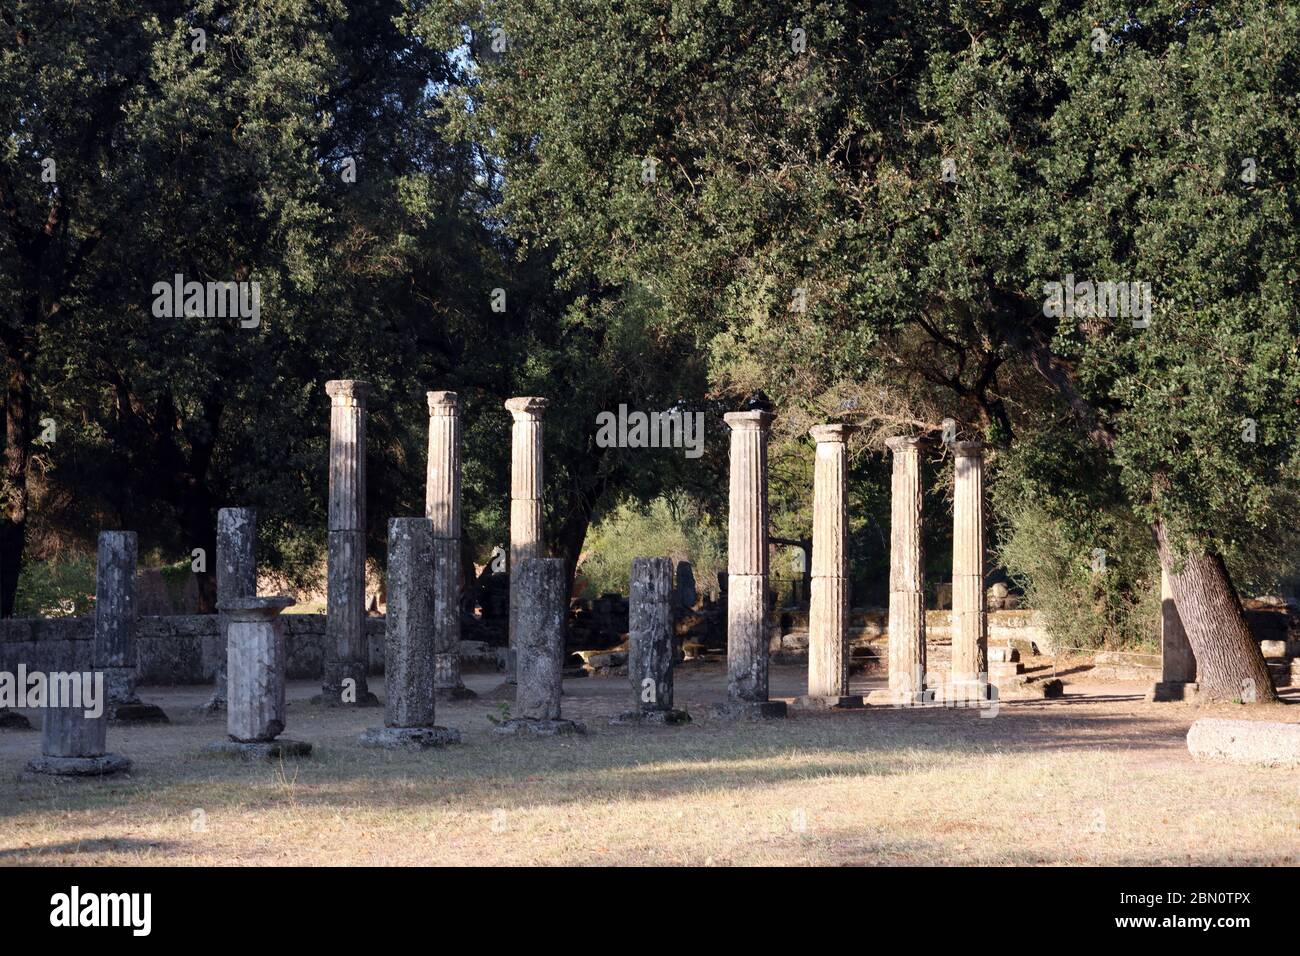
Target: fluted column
(442,507)
(256,664)
(236,578)
(526,481)
(409,628)
(1177,662)
(74,737)
(969,621)
(543,603)
(651,597)
(828,612)
(116,616)
(347,657)
(906,572)
(747,564)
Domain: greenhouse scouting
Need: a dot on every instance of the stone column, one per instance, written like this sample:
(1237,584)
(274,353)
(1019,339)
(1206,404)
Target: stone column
(828,610)
(72,743)
(543,589)
(1177,662)
(526,482)
(747,570)
(442,507)
(236,578)
(115,623)
(651,598)
(409,630)
(347,654)
(255,671)
(969,618)
(906,573)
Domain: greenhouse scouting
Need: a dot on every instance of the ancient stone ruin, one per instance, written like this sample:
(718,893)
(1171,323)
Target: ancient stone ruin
(650,644)
(541,594)
(409,658)
(255,703)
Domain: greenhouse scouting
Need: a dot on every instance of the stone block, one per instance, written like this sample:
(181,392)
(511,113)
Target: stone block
(1265,742)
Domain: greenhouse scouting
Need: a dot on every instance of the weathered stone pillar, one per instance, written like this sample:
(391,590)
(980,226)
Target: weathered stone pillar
(255,666)
(526,483)
(72,743)
(543,590)
(747,644)
(115,622)
(236,578)
(969,619)
(409,641)
(1177,662)
(347,659)
(651,598)
(442,507)
(828,610)
(906,573)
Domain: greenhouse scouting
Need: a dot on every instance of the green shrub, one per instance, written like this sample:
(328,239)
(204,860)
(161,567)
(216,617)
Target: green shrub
(60,587)
(674,529)
(1065,535)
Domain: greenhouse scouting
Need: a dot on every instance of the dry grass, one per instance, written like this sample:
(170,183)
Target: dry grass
(1096,778)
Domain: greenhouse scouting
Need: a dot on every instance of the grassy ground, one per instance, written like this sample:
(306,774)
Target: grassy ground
(1099,777)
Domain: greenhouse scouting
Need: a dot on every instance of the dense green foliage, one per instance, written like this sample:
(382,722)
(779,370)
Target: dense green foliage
(854,208)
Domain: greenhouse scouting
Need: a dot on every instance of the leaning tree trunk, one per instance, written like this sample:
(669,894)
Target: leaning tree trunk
(17,455)
(1229,664)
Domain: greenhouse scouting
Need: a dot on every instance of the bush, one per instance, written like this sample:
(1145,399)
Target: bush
(1058,512)
(674,529)
(60,587)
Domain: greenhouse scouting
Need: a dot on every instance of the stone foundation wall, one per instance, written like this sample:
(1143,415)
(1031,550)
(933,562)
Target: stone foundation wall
(177,649)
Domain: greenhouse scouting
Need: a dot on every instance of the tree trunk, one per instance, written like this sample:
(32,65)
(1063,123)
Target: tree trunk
(17,455)
(1229,664)
(198,517)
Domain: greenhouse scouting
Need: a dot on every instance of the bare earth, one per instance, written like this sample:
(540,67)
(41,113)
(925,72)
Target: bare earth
(1098,777)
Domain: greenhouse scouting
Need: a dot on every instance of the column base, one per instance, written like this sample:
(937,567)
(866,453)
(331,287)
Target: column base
(965,690)
(135,712)
(668,718)
(527,726)
(824,702)
(101,766)
(216,704)
(12,720)
(413,738)
(337,673)
(1171,690)
(748,710)
(263,749)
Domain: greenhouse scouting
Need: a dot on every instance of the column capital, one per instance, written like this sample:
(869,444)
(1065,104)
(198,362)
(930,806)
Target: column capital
(835,432)
(905,443)
(246,610)
(756,420)
(348,391)
(443,403)
(527,408)
(968,449)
